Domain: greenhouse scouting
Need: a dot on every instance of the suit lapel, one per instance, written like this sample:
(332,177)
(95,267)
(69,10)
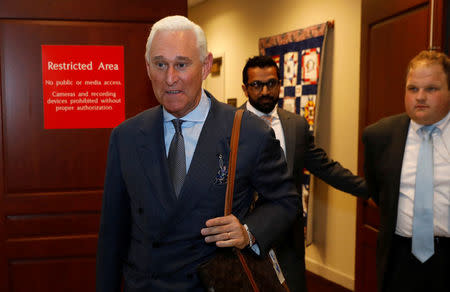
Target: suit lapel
(397,150)
(151,150)
(288,125)
(204,163)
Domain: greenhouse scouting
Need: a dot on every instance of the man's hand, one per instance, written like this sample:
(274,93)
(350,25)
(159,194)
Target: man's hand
(226,232)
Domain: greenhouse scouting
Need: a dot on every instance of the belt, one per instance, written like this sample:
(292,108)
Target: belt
(439,241)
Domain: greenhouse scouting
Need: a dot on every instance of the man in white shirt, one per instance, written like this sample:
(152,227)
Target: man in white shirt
(261,84)
(407,166)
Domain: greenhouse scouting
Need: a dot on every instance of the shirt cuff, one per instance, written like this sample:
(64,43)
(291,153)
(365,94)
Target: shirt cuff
(252,241)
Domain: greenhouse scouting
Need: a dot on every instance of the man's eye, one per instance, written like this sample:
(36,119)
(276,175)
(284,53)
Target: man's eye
(160,65)
(255,84)
(431,89)
(412,88)
(181,65)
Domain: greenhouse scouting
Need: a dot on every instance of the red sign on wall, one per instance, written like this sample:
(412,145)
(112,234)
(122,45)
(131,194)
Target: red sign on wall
(83,86)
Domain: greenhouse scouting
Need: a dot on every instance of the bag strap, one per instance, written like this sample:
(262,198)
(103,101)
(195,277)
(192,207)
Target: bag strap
(230,190)
(232,160)
(230,187)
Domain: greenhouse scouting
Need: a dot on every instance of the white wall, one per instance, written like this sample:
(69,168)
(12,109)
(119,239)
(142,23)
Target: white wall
(233,28)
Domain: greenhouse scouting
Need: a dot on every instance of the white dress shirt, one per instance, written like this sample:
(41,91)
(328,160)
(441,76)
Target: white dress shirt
(276,124)
(441,179)
(190,128)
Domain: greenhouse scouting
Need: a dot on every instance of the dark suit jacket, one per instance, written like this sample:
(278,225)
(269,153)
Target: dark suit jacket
(384,144)
(301,152)
(152,238)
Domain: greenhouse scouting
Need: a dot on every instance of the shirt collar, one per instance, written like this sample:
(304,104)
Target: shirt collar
(442,124)
(273,113)
(198,114)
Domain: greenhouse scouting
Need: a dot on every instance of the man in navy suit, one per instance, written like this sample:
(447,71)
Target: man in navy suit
(261,84)
(154,231)
(393,167)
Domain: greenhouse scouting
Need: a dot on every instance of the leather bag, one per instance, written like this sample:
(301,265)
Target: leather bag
(232,269)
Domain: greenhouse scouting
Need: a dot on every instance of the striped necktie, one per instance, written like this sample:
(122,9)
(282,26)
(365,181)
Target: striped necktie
(177,157)
(268,119)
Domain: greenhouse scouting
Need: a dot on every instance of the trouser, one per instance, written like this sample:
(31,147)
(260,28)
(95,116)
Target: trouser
(407,273)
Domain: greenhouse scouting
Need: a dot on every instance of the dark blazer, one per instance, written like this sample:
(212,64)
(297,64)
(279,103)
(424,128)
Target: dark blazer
(153,239)
(301,152)
(385,142)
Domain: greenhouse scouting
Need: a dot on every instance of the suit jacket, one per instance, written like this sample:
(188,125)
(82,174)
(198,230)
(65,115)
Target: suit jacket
(152,238)
(301,152)
(384,144)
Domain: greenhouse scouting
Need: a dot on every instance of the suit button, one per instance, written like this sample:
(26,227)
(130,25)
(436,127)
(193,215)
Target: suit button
(156,244)
(140,211)
(154,276)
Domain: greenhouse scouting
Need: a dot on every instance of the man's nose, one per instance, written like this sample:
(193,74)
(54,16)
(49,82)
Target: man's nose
(421,95)
(171,76)
(265,89)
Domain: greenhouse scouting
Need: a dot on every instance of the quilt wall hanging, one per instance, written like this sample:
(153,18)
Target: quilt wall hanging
(300,56)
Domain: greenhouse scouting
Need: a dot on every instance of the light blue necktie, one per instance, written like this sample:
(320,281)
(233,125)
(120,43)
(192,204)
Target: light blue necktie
(423,227)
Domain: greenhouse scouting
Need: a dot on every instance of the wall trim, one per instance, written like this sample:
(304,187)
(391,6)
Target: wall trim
(331,274)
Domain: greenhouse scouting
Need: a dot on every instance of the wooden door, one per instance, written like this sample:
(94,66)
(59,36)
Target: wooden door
(392,32)
(51,181)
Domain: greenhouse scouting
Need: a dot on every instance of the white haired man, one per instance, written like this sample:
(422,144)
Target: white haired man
(163,203)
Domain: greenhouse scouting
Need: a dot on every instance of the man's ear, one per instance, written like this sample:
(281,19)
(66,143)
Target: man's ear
(244,88)
(207,64)
(148,69)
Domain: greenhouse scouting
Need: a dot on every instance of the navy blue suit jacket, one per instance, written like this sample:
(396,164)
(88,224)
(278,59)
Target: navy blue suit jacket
(153,239)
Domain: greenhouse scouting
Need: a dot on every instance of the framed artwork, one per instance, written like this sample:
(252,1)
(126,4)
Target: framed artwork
(215,69)
(232,101)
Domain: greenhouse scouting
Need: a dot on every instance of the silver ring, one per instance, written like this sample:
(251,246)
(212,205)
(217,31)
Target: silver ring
(229,235)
